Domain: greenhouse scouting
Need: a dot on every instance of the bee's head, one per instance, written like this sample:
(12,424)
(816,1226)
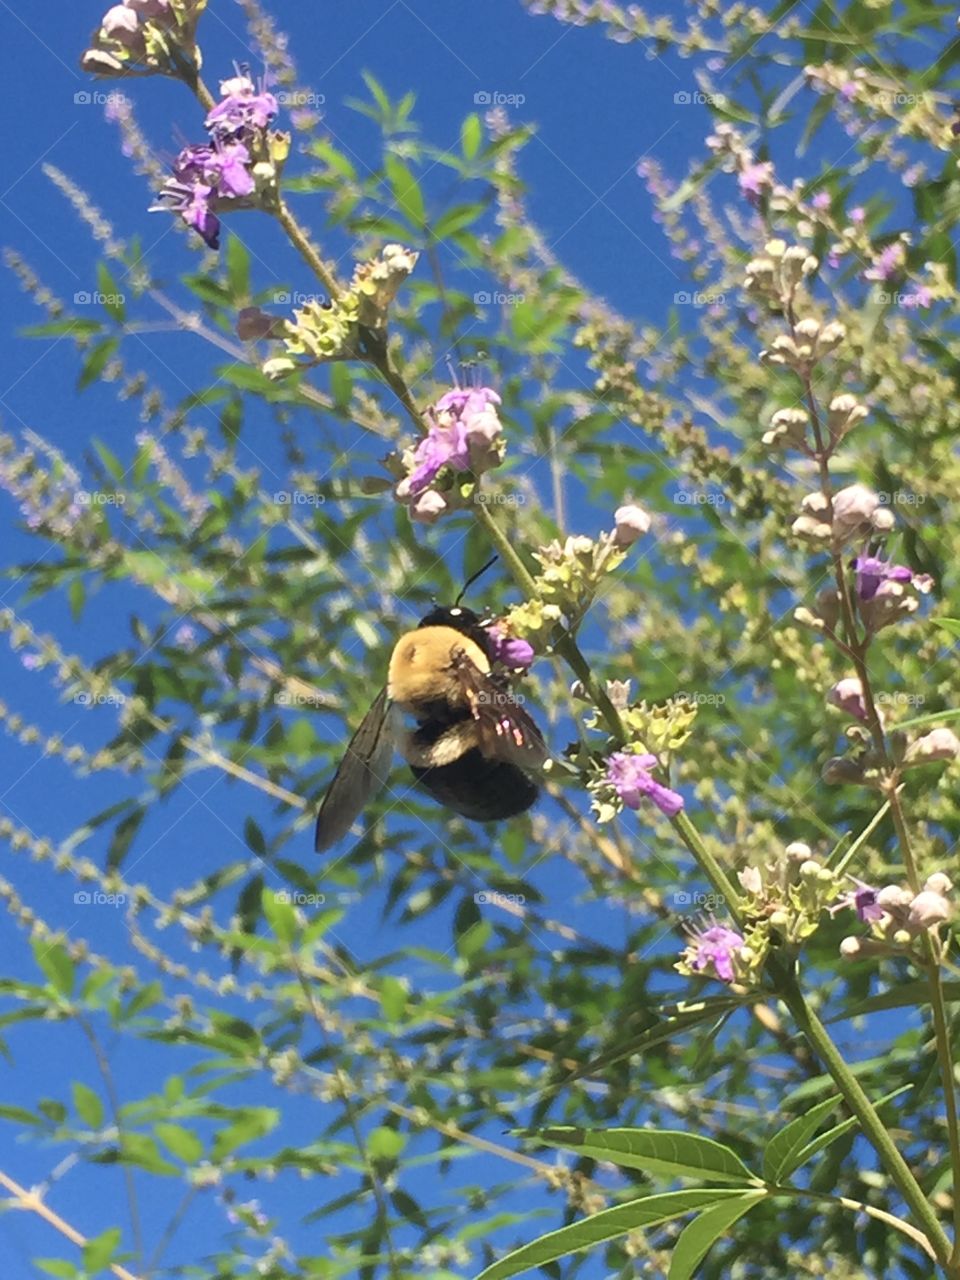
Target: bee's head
(463,620)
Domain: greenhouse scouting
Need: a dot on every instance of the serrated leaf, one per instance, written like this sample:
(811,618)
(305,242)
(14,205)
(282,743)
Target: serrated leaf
(697,1236)
(669,1151)
(605,1225)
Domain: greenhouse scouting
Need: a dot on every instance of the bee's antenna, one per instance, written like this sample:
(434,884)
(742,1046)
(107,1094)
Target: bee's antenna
(471,580)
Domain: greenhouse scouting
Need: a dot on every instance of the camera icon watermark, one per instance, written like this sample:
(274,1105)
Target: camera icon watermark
(98,498)
(294,99)
(94,298)
(297,898)
(298,498)
(484,298)
(498,499)
(491,898)
(699,901)
(494,98)
(698,498)
(287,699)
(684,298)
(695,97)
(96,898)
(297,298)
(97,98)
(87,699)
(696,698)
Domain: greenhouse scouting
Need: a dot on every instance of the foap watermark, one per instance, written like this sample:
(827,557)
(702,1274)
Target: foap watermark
(296,298)
(86,699)
(499,698)
(499,499)
(696,698)
(913,300)
(497,299)
(698,498)
(98,498)
(97,98)
(696,97)
(494,98)
(902,498)
(97,898)
(700,901)
(684,298)
(491,898)
(298,99)
(298,498)
(94,298)
(900,699)
(298,898)
(287,699)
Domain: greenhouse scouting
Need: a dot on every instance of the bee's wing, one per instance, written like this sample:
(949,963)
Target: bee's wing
(504,730)
(362,772)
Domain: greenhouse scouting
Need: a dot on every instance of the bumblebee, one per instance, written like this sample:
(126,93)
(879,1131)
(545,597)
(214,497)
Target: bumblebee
(472,747)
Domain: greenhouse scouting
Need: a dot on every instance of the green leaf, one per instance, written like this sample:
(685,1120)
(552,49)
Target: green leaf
(950,625)
(780,1152)
(406,192)
(111,299)
(393,998)
(179,1141)
(697,1237)
(280,914)
(254,838)
(87,1105)
(806,1154)
(256,1122)
(606,1225)
(58,1267)
(384,1143)
(96,362)
(55,962)
(471,135)
(100,1251)
(238,269)
(670,1151)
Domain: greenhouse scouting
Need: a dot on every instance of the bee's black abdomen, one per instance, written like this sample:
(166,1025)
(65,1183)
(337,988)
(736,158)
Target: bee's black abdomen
(479,789)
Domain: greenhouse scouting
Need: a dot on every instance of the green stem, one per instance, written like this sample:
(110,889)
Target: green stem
(307,250)
(569,650)
(873,1127)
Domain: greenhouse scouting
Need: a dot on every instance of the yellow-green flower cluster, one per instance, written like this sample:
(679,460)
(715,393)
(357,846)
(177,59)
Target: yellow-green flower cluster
(789,894)
(139,37)
(335,330)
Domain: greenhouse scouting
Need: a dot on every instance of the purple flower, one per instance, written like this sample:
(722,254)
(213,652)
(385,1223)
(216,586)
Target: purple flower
(30,660)
(755,178)
(887,263)
(714,950)
(444,445)
(858,215)
(821,200)
(871,571)
(863,900)
(629,775)
(193,205)
(240,108)
(464,434)
(511,652)
(921,297)
(848,696)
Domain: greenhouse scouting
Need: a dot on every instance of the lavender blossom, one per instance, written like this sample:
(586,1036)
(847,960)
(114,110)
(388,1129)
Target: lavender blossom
(629,775)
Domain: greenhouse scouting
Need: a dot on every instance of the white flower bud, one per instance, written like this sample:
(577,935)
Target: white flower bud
(850,948)
(938,744)
(929,909)
(631,523)
(938,883)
